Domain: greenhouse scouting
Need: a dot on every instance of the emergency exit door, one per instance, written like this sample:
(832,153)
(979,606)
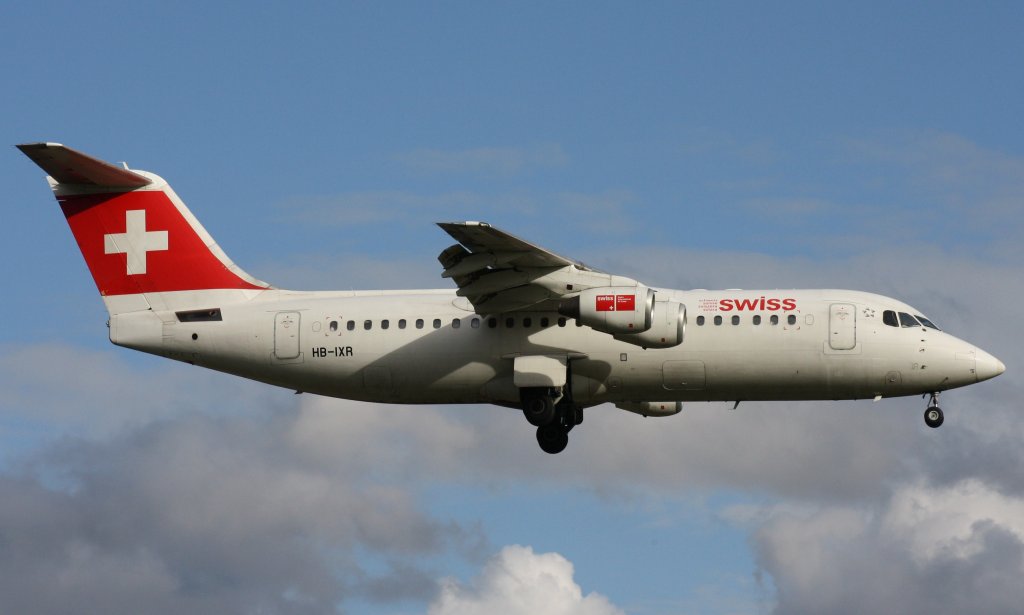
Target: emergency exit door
(842,326)
(286,335)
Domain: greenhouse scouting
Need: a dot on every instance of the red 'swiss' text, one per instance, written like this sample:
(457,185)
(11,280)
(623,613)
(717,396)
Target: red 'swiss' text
(763,304)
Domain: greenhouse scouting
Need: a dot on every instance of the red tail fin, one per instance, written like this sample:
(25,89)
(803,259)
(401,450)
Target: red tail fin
(136,235)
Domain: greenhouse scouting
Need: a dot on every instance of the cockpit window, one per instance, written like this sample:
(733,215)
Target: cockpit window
(927,323)
(906,320)
(889,318)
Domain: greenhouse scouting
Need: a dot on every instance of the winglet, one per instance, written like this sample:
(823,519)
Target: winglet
(68,166)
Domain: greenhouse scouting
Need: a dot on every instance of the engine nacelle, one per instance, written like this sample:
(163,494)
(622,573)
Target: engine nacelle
(651,408)
(612,309)
(667,327)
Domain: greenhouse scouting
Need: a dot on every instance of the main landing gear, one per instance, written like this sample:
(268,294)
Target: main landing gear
(933,414)
(554,416)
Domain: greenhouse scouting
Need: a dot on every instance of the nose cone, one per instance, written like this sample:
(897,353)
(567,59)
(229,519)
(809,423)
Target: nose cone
(987,366)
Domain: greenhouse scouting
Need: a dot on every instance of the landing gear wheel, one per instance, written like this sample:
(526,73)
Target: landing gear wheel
(539,410)
(552,438)
(933,417)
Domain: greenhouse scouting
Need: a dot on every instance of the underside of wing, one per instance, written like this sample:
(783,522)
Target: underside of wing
(499,272)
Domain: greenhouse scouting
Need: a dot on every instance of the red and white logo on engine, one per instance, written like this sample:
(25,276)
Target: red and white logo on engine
(615,303)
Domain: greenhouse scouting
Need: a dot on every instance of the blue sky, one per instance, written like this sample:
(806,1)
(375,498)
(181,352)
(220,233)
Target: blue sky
(870,145)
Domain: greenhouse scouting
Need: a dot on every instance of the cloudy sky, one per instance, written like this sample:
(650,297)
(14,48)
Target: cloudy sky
(869,145)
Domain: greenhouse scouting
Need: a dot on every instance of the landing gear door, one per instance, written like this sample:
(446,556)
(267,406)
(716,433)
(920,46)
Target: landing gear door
(842,326)
(539,371)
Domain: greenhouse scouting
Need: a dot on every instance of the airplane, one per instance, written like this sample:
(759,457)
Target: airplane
(525,328)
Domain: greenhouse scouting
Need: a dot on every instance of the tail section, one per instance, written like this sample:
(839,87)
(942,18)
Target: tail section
(144,248)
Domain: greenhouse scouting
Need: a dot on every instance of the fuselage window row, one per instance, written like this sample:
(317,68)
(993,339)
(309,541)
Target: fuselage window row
(890,318)
(475,323)
(756,320)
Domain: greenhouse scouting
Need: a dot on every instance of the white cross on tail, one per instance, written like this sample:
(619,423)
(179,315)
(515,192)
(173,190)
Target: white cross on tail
(135,241)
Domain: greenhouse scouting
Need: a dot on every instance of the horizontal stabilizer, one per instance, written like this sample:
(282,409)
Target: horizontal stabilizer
(68,166)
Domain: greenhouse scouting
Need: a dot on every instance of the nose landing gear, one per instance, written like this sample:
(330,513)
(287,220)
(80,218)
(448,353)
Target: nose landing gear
(933,414)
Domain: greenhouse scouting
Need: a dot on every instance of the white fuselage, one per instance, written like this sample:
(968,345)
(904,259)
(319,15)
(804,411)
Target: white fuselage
(402,347)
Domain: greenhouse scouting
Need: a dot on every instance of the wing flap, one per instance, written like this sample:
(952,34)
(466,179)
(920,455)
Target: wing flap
(69,166)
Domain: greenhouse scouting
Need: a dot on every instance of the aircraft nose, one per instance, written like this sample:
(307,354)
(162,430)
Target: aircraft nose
(987,366)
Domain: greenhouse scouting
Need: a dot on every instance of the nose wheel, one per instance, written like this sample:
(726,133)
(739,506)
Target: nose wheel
(933,414)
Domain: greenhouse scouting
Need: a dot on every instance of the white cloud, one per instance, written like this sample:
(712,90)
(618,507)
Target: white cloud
(952,549)
(59,388)
(943,522)
(228,514)
(518,581)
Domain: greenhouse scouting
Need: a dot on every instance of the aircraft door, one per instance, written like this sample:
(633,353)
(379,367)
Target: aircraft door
(842,326)
(286,335)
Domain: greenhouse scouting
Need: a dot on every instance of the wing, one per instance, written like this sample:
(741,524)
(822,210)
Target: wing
(499,272)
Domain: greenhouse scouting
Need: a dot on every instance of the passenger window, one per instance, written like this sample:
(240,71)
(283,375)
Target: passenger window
(774,319)
(906,320)
(757,319)
(351,325)
(561,322)
(456,323)
(384,324)
(718,320)
(401,323)
(889,318)
(367,324)
(492,323)
(735,319)
(527,322)
(475,323)
(509,322)
(334,326)
(700,321)
(419,323)
(544,322)
(437,323)
(791,319)
(927,323)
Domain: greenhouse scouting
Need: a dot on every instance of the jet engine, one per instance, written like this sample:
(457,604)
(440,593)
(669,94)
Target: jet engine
(612,309)
(667,326)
